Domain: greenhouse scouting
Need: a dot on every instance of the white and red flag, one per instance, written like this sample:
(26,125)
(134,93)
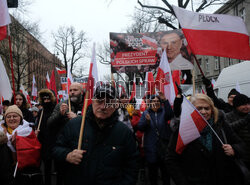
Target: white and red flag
(149,83)
(93,76)
(60,71)
(133,92)
(213,82)
(214,34)
(184,79)
(47,80)
(164,80)
(5,87)
(69,78)
(34,88)
(121,90)
(4,19)
(191,124)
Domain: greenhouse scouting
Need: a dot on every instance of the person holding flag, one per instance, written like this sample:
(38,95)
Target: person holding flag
(203,149)
(108,152)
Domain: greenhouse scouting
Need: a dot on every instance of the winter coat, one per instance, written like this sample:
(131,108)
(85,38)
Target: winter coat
(160,120)
(240,125)
(196,165)
(56,121)
(111,156)
(45,134)
(219,103)
(27,115)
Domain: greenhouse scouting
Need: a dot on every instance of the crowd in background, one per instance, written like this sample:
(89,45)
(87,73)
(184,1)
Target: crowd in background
(122,145)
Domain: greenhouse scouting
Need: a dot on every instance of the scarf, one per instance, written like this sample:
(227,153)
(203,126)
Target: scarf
(206,136)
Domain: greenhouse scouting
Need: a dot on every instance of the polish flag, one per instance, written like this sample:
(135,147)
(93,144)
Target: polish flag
(69,78)
(214,34)
(26,94)
(150,84)
(176,79)
(202,91)
(47,80)
(60,71)
(93,76)
(164,80)
(52,84)
(121,90)
(5,87)
(4,19)
(133,92)
(34,88)
(184,79)
(191,124)
(141,82)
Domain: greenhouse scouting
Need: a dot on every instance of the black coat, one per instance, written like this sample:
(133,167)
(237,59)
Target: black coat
(6,165)
(111,157)
(198,166)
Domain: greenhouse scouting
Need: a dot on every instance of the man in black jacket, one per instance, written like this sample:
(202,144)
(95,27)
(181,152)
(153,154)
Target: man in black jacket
(219,103)
(108,154)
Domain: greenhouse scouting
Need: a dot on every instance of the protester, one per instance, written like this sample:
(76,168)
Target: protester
(22,104)
(108,154)
(34,110)
(47,99)
(205,160)
(154,124)
(219,103)
(61,115)
(6,104)
(122,111)
(239,120)
(16,126)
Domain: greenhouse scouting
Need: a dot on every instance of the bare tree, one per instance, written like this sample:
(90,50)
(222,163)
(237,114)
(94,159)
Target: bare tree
(23,40)
(165,14)
(70,45)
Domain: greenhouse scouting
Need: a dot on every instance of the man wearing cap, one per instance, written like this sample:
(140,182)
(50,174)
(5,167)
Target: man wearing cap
(219,103)
(239,120)
(108,154)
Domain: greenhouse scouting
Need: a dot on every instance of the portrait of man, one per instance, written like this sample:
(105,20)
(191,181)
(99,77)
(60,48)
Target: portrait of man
(172,41)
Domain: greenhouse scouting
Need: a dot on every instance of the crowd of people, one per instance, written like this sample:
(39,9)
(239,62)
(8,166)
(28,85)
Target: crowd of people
(120,144)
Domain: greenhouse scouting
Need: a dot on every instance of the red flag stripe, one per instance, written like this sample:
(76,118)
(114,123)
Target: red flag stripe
(198,121)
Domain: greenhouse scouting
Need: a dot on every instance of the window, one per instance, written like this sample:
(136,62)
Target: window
(207,65)
(230,62)
(216,63)
(243,14)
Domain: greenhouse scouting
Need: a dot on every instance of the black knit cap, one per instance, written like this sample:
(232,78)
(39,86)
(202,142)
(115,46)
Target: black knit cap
(240,99)
(233,92)
(105,91)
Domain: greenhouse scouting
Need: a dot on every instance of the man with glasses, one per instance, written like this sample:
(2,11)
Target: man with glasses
(108,154)
(173,41)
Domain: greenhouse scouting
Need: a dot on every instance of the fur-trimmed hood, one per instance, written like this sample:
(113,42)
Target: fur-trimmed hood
(46,92)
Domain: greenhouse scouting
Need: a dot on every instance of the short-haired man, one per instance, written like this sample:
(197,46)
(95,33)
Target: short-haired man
(108,154)
(172,42)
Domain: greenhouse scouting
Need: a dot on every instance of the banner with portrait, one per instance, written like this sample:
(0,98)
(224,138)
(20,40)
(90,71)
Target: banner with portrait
(141,52)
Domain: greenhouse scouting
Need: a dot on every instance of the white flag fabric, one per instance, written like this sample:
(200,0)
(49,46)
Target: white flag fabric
(191,124)
(164,79)
(214,34)
(34,88)
(47,80)
(5,87)
(69,78)
(4,14)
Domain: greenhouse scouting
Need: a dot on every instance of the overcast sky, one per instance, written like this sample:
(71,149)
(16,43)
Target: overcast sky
(95,17)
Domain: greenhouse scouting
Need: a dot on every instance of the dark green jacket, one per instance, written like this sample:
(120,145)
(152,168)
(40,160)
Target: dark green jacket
(111,156)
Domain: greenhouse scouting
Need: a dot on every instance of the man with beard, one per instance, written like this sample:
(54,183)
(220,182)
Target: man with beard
(61,115)
(47,99)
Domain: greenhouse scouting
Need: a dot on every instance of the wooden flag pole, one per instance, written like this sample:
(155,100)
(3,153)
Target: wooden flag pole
(40,120)
(83,120)
(69,104)
(193,78)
